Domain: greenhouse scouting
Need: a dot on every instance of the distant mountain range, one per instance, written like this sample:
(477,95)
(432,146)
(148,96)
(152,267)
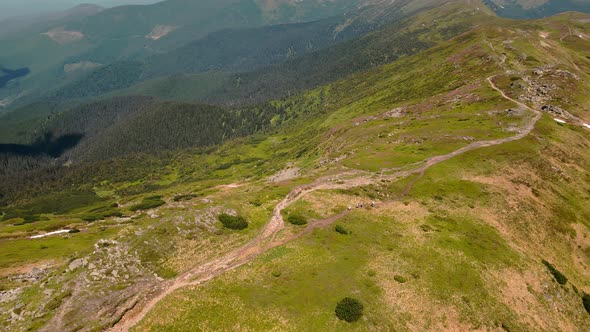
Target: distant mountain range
(17,24)
(536,8)
(89,51)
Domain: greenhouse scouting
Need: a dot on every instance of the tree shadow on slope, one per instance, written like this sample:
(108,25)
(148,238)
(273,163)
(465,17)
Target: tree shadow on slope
(45,145)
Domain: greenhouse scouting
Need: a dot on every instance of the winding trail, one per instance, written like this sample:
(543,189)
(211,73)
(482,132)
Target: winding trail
(267,239)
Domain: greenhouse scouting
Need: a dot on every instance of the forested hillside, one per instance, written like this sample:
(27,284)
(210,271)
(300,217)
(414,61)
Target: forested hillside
(247,50)
(131,32)
(297,68)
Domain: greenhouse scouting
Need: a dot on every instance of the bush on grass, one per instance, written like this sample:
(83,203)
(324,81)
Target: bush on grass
(297,219)
(349,309)
(233,222)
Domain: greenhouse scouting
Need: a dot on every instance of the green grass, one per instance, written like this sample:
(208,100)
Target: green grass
(305,293)
(301,209)
(22,251)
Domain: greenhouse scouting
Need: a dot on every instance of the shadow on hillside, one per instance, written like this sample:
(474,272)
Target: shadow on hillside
(46,145)
(10,75)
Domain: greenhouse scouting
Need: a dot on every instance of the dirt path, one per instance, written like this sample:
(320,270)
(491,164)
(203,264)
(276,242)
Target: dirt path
(267,239)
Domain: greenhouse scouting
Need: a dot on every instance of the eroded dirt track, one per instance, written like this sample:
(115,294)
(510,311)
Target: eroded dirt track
(268,238)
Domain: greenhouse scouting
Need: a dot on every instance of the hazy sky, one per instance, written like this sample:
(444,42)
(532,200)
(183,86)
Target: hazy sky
(9,8)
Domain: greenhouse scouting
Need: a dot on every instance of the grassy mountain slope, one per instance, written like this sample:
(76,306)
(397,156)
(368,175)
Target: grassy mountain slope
(463,249)
(456,246)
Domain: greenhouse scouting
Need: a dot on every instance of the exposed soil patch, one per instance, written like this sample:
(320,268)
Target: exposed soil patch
(160,31)
(285,175)
(62,36)
(26,268)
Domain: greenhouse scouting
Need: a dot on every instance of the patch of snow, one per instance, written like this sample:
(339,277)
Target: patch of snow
(586,125)
(559,120)
(49,234)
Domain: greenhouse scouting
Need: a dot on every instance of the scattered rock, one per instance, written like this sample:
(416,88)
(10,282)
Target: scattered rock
(560,113)
(77,263)
(395,113)
(36,274)
(10,295)
(286,174)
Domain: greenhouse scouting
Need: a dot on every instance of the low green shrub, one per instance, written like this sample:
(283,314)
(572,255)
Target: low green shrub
(56,301)
(400,279)
(349,309)
(340,229)
(559,277)
(55,203)
(101,215)
(181,198)
(586,302)
(29,219)
(151,202)
(297,219)
(426,228)
(233,222)
(256,202)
